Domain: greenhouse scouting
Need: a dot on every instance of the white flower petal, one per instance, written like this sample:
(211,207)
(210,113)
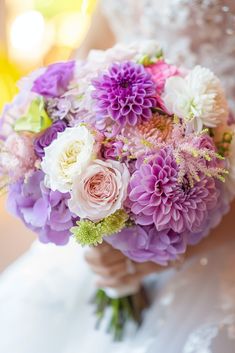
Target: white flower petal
(198,96)
(67,156)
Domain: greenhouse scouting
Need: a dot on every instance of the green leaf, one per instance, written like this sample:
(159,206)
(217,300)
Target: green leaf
(36,119)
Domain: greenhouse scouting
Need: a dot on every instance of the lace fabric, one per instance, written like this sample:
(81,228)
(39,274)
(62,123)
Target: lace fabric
(202,340)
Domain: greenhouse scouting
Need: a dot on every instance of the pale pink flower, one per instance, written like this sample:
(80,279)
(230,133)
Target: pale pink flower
(160,72)
(100,190)
(17,158)
(147,136)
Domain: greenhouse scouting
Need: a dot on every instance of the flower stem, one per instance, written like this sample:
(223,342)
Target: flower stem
(123,310)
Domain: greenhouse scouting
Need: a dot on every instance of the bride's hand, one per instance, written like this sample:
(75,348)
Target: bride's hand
(115,269)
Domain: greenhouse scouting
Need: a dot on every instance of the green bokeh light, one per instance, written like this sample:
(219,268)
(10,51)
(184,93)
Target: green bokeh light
(51,8)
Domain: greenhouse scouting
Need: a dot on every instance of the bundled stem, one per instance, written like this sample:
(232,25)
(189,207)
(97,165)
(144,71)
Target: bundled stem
(123,310)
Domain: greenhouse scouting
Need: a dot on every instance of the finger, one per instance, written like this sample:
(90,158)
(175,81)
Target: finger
(101,259)
(147,268)
(96,258)
(108,282)
(115,282)
(99,250)
(117,270)
(142,270)
(104,247)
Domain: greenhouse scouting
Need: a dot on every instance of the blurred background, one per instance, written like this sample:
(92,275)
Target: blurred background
(33,33)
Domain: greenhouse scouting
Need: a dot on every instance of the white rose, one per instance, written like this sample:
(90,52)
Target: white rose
(100,190)
(198,98)
(67,157)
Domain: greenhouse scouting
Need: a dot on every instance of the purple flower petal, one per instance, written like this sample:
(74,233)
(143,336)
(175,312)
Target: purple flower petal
(126,93)
(41,209)
(54,81)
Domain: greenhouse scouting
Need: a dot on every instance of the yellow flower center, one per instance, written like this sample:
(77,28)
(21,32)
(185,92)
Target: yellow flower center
(69,157)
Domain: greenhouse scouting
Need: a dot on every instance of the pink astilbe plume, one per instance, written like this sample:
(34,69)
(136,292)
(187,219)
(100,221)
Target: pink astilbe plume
(196,155)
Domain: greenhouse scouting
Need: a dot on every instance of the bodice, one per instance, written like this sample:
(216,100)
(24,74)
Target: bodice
(190,31)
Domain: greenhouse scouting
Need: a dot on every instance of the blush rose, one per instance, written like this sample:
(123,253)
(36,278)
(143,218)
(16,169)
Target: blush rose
(100,190)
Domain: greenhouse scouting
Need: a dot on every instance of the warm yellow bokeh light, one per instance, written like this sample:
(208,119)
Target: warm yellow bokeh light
(8,78)
(27,34)
(37,33)
(71,28)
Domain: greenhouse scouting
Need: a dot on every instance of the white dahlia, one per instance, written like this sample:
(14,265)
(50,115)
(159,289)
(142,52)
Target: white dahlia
(198,98)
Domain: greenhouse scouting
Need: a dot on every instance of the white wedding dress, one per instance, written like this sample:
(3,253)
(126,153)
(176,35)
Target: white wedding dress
(44,296)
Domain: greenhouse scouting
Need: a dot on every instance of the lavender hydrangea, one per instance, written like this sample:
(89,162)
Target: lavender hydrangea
(125,93)
(58,108)
(157,197)
(145,243)
(42,210)
(54,81)
(46,138)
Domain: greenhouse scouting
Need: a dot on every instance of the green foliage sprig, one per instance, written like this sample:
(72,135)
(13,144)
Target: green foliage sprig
(90,233)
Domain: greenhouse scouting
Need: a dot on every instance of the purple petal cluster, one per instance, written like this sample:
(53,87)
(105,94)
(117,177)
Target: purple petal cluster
(58,108)
(157,198)
(46,138)
(215,215)
(113,150)
(54,81)
(125,93)
(145,243)
(41,209)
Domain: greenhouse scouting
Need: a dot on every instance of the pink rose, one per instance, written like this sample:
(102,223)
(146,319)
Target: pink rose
(100,190)
(160,72)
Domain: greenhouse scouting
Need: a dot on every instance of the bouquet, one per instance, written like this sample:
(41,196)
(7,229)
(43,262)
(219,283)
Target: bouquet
(125,148)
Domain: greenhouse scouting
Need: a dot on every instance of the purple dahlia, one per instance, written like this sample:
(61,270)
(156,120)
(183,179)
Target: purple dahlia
(46,138)
(214,217)
(42,210)
(157,197)
(54,81)
(145,243)
(125,93)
